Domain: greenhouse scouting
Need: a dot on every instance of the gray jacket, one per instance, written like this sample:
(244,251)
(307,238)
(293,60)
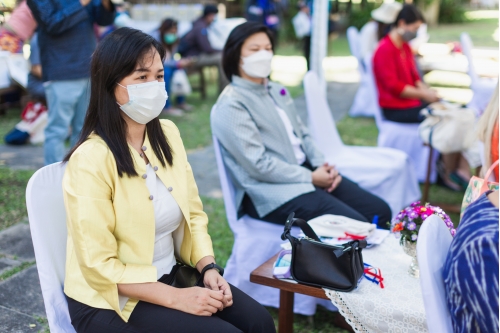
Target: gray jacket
(255,146)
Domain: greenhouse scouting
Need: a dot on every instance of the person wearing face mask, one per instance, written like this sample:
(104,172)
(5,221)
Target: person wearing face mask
(133,210)
(402,94)
(269,153)
(170,41)
(374,30)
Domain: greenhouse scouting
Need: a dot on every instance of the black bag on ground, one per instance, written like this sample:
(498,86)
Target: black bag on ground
(337,267)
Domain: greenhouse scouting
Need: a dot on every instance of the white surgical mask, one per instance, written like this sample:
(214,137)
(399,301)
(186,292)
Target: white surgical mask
(146,101)
(258,65)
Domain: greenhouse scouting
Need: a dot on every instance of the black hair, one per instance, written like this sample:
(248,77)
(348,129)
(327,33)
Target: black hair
(409,14)
(382,29)
(232,50)
(210,9)
(165,26)
(116,57)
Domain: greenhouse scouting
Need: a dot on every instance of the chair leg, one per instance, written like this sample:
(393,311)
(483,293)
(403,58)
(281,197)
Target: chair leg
(203,89)
(425,195)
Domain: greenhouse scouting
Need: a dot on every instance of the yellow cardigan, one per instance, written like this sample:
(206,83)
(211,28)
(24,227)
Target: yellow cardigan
(111,223)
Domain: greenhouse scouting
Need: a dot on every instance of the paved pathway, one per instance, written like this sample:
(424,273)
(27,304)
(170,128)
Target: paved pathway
(21,302)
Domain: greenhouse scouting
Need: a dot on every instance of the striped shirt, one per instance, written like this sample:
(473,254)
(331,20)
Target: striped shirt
(471,270)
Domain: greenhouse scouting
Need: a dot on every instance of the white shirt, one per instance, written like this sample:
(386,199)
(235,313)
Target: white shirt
(294,140)
(168,220)
(302,24)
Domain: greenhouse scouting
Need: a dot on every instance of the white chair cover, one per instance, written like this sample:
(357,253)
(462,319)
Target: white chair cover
(363,105)
(482,88)
(401,136)
(385,172)
(434,241)
(255,242)
(47,218)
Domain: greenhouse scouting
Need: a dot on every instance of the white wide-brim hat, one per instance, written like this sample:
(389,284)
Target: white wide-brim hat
(387,12)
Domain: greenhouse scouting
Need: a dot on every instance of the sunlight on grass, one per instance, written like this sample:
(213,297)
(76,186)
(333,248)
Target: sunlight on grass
(481,14)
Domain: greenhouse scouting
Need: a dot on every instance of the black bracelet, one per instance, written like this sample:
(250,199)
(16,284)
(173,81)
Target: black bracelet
(212,266)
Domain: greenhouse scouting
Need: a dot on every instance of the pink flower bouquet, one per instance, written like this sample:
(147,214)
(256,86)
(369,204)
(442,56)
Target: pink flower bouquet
(408,222)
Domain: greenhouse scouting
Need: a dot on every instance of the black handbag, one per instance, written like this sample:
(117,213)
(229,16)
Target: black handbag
(184,276)
(314,263)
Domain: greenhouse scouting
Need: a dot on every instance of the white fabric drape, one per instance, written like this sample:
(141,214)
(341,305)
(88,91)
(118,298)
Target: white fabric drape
(319,39)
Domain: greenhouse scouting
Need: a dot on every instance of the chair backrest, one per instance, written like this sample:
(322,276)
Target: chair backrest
(434,240)
(372,90)
(467,46)
(47,218)
(225,183)
(321,122)
(354,43)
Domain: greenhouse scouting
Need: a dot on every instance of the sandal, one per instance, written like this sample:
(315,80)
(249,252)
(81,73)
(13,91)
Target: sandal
(457,179)
(444,180)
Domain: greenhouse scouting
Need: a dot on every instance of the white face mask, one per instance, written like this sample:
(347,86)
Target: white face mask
(258,65)
(146,101)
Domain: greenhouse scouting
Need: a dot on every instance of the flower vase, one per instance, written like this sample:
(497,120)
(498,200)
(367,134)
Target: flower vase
(410,248)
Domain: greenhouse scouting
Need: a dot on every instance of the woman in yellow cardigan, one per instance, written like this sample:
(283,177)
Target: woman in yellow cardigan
(133,210)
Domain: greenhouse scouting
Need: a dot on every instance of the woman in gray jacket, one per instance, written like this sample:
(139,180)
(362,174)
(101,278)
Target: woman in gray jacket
(270,156)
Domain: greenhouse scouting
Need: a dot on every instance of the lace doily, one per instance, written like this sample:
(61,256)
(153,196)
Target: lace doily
(398,308)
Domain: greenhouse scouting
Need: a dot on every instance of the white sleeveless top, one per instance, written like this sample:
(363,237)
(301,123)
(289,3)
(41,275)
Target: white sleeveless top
(168,218)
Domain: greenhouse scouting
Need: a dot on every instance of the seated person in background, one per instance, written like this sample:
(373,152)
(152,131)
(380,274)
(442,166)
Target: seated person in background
(35,83)
(270,156)
(134,210)
(196,44)
(19,27)
(488,134)
(302,25)
(401,92)
(373,31)
(170,41)
(471,270)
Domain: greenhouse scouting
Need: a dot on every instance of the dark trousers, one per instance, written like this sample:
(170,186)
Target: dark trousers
(408,116)
(245,315)
(307,49)
(348,199)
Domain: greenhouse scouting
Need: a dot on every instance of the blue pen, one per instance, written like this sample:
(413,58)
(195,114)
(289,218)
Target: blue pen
(375,220)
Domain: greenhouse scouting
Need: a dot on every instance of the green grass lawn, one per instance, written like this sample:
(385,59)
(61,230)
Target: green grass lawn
(12,196)
(481,32)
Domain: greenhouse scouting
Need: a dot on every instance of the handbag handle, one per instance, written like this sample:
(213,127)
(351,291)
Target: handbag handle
(306,228)
(485,187)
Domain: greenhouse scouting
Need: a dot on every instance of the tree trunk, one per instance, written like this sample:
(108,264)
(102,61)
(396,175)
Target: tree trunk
(430,11)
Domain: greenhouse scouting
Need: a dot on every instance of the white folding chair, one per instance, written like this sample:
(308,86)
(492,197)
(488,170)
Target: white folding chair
(482,88)
(385,172)
(362,106)
(434,240)
(255,241)
(47,218)
(404,137)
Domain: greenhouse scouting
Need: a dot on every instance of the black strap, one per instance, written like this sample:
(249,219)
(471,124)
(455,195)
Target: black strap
(306,228)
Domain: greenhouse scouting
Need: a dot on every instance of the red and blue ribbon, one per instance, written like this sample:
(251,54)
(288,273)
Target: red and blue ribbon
(374,275)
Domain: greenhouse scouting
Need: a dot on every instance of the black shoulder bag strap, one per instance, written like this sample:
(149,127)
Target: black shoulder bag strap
(306,228)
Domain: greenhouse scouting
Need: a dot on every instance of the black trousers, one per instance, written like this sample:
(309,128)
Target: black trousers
(245,315)
(408,116)
(348,199)
(307,49)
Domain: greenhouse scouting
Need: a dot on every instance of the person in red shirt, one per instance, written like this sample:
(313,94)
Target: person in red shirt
(402,94)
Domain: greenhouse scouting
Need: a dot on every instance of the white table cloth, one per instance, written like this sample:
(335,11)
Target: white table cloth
(397,308)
